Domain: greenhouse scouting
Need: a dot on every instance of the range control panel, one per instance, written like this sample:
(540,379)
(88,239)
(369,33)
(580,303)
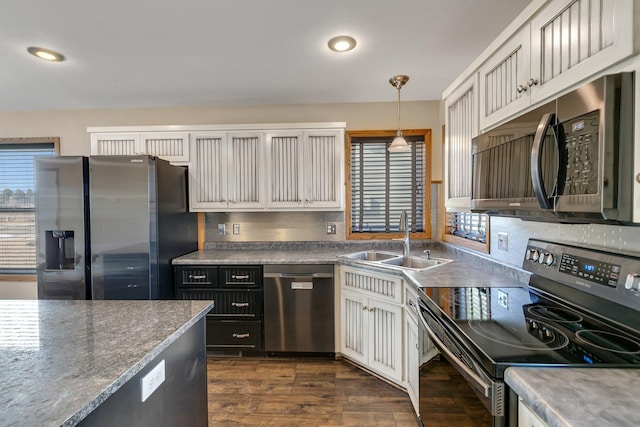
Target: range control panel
(599,272)
(609,275)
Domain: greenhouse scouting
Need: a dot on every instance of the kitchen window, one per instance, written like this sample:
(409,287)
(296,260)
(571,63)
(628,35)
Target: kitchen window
(17,197)
(380,184)
(467,229)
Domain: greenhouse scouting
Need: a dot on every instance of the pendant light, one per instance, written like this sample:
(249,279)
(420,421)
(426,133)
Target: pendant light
(399,144)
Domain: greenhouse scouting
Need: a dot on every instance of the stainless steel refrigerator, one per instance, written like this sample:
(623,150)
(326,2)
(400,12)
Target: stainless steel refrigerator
(109,226)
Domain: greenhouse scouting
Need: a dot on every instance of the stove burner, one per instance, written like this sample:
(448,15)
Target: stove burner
(548,337)
(609,341)
(557,314)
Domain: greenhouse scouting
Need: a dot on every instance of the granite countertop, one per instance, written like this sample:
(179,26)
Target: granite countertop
(579,397)
(466,269)
(62,359)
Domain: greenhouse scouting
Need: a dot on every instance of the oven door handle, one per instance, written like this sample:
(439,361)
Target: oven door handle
(453,359)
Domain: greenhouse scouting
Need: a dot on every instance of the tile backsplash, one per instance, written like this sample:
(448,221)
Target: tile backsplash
(616,238)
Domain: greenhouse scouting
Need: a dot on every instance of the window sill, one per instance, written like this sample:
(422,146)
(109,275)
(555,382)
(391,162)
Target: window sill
(471,244)
(18,278)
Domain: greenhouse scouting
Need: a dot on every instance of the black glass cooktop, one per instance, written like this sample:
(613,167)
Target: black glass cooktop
(502,327)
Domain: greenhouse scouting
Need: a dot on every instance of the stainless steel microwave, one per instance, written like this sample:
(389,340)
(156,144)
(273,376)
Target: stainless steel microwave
(570,160)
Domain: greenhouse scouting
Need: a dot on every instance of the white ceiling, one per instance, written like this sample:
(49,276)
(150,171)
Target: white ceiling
(157,53)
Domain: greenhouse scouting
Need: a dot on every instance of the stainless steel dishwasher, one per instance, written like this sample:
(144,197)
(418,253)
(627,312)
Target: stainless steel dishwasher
(299,308)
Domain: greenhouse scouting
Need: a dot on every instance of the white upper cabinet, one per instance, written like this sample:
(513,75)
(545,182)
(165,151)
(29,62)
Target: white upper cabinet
(170,146)
(225,172)
(562,45)
(461,115)
(305,169)
(115,144)
(274,166)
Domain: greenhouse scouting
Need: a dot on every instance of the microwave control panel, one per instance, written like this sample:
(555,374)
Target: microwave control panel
(581,143)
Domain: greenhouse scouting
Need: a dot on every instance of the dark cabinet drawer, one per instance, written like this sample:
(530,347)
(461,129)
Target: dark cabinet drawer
(196,276)
(241,276)
(230,334)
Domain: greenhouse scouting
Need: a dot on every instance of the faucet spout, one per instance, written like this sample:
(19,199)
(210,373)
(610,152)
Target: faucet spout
(404,226)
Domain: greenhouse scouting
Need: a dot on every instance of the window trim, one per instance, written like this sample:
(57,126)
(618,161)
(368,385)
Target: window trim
(11,277)
(467,243)
(426,133)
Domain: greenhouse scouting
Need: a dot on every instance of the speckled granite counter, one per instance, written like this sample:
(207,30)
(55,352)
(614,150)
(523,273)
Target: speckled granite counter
(62,359)
(568,397)
(467,269)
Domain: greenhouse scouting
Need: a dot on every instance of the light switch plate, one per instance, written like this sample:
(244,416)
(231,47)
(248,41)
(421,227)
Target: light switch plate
(236,229)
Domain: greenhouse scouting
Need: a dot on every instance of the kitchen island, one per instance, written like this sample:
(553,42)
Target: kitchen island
(68,363)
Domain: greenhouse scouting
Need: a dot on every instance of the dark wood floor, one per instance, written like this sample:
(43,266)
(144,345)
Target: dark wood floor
(321,392)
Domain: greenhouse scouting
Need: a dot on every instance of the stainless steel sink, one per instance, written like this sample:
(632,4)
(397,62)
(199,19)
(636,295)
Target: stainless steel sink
(392,260)
(413,262)
(370,255)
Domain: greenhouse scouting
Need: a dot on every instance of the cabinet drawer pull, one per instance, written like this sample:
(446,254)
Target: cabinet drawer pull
(240,335)
(240,304)
(197,276)
(246,276)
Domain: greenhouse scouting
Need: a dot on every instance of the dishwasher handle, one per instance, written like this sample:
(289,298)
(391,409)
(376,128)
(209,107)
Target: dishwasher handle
(298,275)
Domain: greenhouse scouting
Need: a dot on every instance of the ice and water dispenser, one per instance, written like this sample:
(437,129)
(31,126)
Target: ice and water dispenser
(60,250)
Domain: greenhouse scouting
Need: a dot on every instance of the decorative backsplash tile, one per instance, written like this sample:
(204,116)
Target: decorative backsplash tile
(616,238)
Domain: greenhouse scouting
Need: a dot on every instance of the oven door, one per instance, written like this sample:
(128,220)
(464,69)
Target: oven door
(491,392)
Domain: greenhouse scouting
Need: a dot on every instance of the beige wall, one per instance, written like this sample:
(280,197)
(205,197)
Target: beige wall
(71,125)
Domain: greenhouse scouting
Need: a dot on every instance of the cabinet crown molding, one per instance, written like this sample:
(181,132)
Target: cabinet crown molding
(218,127)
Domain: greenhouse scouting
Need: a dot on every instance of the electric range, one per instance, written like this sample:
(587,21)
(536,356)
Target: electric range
(579,310)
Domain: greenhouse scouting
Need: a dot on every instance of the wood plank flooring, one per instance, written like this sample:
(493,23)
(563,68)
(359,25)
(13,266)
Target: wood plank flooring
(285,392)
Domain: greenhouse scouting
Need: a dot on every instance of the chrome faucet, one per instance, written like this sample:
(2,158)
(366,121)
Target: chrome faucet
(403,225)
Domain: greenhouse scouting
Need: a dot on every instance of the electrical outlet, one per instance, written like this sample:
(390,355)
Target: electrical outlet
(222,229)
(236,228)
(331,229)
(503,241)
(152,380)
(503,299)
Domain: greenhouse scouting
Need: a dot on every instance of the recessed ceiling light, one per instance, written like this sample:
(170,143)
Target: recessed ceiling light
(46,54)
(342,43)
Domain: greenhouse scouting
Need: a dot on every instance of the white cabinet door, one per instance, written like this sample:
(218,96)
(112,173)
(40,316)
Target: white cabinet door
(323,169)
(208,172)
(170,146)
(572,40)
(561,47)
(504,80)
(245,171)
(371,332)
(461,117)
(412,357)
(285,177)
(115,144)
(385,338)
(527,418)
(306,169)
(354,326)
